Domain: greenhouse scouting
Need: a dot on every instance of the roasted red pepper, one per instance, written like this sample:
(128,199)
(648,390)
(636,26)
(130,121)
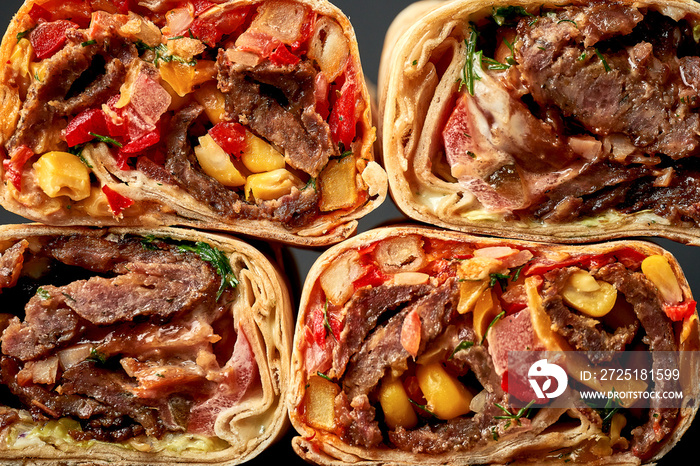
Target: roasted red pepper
(230,137)
(282,56)
(38,12)
(342,120)
(15,164)
(680,311)
(630,258)
(211,30)
(306,30)
(200,6)
(372,277)
(117,202)
(88,121)
(49,38)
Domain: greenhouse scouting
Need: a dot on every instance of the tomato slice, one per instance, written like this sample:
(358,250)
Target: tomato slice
(49,38)
(680,311)
(342,120)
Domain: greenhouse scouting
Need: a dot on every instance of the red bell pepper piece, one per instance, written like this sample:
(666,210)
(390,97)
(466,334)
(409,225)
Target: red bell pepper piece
(372,277)
(342,120)
(86,122)
(200,6)
(230,137)
(678,312)
(318,329)
(49,38)
(15,164)
(211,30)
(117,202)
(139,145)
(38,12)
(282,56)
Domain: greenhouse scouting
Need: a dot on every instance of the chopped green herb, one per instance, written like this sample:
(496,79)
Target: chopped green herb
(492,64)
(414,63)
(568,21)
(148,243)
(494,433)
(493,322)
(468,74)
(160,375)
(582,56)
(176,38)
(462,346)
(106,139)
(23,34)
(523,412)
(421,407)
(516,275)
(89,42)
(501,278)
(97,357)
(602,59)
(218,260)
(541,48)
(347,153)
(43,294)
(505,14)
(311,182)
(326,323)
(471,154)
(163,54)
(69,297)
(323,376)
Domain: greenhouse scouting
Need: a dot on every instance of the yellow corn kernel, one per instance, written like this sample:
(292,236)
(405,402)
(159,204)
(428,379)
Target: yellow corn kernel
(183,78)
(486,309)
(329,47)
(469,293)
(320,403)
(271,185)
(62,174)
(259,156)
(176,102)
(216,163)
(588,295)
(337,185)
(398,411)
(446,396)
(658,270)
(20,61)
(95,205)
(213,101)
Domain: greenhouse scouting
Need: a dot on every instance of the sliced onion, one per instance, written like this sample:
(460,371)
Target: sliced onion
(71,356)
(329,47)
(178,20)
(45,371)
(280,20)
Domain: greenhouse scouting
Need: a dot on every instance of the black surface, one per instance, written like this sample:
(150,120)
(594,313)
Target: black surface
(371,18)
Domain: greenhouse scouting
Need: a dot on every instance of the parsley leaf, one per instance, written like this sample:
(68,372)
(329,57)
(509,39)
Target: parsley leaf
(462,346)
(218,260)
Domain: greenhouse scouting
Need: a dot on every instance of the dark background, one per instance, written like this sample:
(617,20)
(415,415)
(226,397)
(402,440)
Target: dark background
(371,18)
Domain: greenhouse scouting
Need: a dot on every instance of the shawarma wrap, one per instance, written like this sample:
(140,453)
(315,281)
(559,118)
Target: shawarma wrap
(403,332)
(557,121)
(240,115)
(139,346)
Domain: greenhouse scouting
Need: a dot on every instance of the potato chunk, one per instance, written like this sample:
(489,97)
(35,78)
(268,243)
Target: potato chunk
(588,295)
(337,185)
(398,411)
(62,174)
(329,47)
(320,403)
(486,309)
(337,279)
(446,396)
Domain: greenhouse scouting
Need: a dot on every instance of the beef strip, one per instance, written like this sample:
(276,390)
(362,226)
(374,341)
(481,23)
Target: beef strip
(293,210)
(642,294)
(606,102)
(382,350)
(11,262)
(583,333)
(277,103)
(358,420)
(55,95)
(362,313)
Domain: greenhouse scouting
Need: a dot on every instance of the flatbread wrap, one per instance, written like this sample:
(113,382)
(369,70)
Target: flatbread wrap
(139,346)
(402,335)
(239,115)
(556,121)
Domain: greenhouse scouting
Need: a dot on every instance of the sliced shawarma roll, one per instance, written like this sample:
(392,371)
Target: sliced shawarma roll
(403,335)
(556,121)
(139,346)
(242,115)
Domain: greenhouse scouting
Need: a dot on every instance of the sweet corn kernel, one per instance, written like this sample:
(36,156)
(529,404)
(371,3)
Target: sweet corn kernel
(62,174)
(259,156)
(398,411)
(469,293)
(446,396)
(486,309)
(271,185)
(658,270)
(216,163)
(213,101)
